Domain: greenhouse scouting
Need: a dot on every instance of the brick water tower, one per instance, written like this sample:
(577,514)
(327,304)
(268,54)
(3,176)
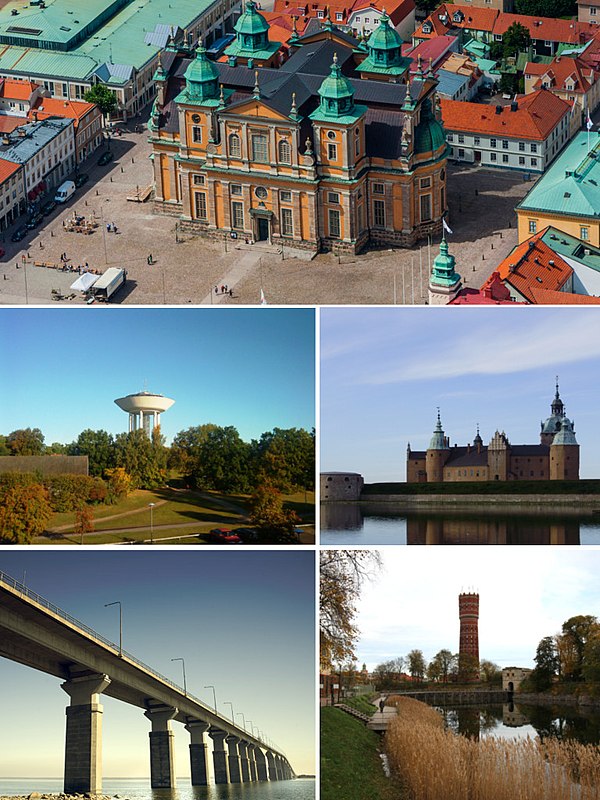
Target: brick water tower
(468,612)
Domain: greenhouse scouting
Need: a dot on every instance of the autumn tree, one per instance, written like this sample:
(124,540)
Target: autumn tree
(84,521)
(118,483)
(490,672)
(575,633)
(416,664)
(26,442)
(342,575)
(441,665)
(24,513)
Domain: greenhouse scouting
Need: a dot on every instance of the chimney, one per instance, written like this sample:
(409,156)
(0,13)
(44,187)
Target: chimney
(498,109)
(514,106)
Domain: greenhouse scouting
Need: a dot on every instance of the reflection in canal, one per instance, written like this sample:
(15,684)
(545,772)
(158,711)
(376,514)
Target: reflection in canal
(389,523)
(516,721)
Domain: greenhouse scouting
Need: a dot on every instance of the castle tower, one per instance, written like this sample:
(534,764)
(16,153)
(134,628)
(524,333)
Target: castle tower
(553,424)
(468,652)
(498,457)
(564,453)
(437,454)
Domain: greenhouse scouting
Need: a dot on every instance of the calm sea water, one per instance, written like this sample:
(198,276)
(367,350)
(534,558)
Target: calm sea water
(139,789)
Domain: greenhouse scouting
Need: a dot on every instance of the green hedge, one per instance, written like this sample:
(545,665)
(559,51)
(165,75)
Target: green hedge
(485,487)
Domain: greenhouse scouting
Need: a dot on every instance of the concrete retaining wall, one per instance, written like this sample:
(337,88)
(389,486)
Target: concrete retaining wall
(420,500)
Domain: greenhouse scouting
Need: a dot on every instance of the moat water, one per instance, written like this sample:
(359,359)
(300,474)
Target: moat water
(518,721)
(390,523)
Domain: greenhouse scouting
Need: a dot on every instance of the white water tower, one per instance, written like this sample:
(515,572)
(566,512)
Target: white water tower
(144,409)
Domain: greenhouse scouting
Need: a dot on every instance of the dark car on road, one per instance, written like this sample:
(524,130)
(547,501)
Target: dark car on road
(223,536)
(81,179)
(247,535)
(19,234)
(34,220)
(105,159)
(48,207)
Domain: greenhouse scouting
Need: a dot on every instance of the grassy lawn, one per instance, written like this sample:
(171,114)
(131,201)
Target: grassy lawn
(351,768)
(361,703)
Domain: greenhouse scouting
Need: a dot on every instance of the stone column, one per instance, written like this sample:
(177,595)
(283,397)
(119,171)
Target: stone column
(261,765)
(279,768)
(198,752)
(83,745)
(243,748)
(219,755)
(162,761)
(252,763)
(233,759)
(272,767)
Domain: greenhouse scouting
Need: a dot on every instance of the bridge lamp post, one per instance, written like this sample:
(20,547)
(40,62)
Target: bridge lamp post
(214,696)
(151,507)
(118,603)
(227,703)
(241,714)
(183,667)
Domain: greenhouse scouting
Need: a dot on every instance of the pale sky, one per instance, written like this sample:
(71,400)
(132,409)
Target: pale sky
(525,593)
(385,371)
(243,620)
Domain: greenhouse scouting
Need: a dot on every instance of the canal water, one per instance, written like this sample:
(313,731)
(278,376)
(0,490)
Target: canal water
(139,789)
(379,524)
(518,721)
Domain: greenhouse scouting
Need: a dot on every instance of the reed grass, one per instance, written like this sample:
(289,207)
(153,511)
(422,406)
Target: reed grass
(437,764)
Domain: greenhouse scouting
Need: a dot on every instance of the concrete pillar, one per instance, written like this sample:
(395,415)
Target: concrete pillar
(162,761)
(198,752)
(243,748)
(219,755)
(272,767)
(233,759)
(261,765)
(252,763)
(83,745)
(279,768)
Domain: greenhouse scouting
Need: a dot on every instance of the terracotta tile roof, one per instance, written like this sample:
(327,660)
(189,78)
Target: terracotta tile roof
(560,71)
(396,10)
(7,168)
(479,19)
(45,107)
(431,48)
(547,28)
(548,297)
(17,90)
(492,293)
(537,115)
(8,123)
(534,265)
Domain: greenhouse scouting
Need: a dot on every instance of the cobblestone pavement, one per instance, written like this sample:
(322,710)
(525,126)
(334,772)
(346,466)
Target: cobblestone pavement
(186,271)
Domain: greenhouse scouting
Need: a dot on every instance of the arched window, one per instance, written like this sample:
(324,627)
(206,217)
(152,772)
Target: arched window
(284,152)
(235,145)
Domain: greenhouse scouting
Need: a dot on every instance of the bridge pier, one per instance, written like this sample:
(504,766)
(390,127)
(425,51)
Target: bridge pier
(219,755)
(243,748)
(235,772)
(252,763)
(272,766)
(198,752)
(162,761)
(261,765)
(83,744)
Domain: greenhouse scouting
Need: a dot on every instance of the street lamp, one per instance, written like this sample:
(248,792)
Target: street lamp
(118,603)
(151,507)
(240,714)
(214,696)
(227,703)
(183,667)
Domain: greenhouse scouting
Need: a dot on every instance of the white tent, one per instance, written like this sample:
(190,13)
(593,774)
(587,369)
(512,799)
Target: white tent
(84,281)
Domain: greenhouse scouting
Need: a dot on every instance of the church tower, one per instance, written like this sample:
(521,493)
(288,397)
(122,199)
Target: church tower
(437,454)
(553,424)
(564,454)
(444,282)
(468,653)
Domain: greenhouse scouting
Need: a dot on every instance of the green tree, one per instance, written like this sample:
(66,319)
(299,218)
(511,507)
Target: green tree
(143,459)
(24,513)
(224,462)
(427,5)
(546,664)
(490,672)
(98,446)
(441,665)
(342,575)
(286,458)
(575,633)
(185,451)
(591,659)
(267,512)
(103,97)
(467,667)
(4,449)
(515,40)
(416,664)
(26,442)
(546,8)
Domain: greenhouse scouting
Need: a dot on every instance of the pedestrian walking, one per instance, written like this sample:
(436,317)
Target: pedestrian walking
(382,704)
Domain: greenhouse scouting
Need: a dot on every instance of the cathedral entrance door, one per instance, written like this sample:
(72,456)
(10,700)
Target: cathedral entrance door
(262,225)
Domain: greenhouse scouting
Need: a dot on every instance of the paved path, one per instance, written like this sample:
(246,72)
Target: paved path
(244,266)
(381,719)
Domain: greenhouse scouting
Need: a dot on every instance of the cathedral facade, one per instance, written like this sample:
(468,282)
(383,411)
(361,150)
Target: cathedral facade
(556,457)
(332,149)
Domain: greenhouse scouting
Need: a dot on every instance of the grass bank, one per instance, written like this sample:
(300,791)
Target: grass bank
(351,767)
(584,487)
(440,765)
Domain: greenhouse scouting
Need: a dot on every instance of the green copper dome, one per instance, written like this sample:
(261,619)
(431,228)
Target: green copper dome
(438,440)
(429,133)
(385,38)
(201,77)
(336,92)
(252,29)
(443,272)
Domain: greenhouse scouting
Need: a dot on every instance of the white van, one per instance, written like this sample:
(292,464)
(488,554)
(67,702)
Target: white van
(64,191)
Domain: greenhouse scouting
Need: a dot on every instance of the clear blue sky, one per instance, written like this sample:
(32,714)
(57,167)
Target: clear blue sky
(243,620)
(384,372)
(63,368)
(413,602)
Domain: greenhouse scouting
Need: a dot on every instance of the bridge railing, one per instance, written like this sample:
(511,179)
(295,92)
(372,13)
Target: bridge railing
(23,590)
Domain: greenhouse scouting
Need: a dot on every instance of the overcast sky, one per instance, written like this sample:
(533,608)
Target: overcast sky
(524,595)
(385,371)
(243,621)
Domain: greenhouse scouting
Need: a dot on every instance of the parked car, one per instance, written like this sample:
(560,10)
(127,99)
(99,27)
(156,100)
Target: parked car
(2,252)
(19,234)
(223,536)
(81,179)
(48,207)
(105,159)
(34,220)
(247,535)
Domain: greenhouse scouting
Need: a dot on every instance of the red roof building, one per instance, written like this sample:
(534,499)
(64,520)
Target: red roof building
(87,125)
(571,79)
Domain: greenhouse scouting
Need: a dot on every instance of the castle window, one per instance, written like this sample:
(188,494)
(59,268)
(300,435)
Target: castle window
(333,197)
(200,200)
(378,188)
(237,215)
(379,213)
(235,145)
(236,189)
(332,152)
(260,150)
(197,134)
(425,183)
(334,223)
(199,180)
(425,207)
(284,152)
(287,224)
(285,197)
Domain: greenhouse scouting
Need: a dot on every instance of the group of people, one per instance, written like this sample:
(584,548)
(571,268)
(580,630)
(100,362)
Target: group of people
(110,226)
(224,289)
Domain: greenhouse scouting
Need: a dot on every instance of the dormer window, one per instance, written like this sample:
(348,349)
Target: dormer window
(457,16)
(320,14)
(426,27)
(339,17)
